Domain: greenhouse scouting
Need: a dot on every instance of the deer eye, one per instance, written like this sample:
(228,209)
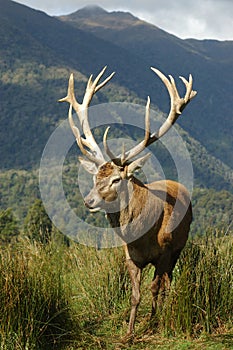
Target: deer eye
(116,180)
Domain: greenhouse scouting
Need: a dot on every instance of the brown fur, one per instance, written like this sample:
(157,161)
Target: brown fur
(104,171)
(161,245)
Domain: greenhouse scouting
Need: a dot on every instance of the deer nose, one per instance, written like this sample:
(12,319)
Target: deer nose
(89,203)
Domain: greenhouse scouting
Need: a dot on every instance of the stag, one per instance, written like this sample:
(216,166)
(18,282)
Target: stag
(153,219)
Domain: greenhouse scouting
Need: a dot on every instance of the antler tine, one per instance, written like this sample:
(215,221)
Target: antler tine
(142,145)
(92,86)
(123,158)
(98,87)
(147,120)
(189,92)
(106,148)
(70,97)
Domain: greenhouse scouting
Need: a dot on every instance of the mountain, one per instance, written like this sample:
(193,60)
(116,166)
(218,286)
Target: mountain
(38,52)
(209,61)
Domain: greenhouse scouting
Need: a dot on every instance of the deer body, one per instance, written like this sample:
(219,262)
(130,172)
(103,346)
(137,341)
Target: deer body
(157,240)
(153,220)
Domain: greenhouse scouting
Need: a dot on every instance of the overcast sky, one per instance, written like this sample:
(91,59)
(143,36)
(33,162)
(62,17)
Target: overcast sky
(200,19)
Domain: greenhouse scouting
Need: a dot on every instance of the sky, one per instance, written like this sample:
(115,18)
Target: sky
(199,19)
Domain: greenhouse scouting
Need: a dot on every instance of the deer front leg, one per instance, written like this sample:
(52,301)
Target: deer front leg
(135,276)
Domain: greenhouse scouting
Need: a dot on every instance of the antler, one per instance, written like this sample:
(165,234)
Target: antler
(93,153)
(88,145)
(177,106)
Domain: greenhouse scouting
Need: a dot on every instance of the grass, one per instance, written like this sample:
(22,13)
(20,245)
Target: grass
(54,297)
(34,307)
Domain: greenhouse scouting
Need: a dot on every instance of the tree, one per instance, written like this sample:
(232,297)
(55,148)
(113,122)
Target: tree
(38,225)
(8,226)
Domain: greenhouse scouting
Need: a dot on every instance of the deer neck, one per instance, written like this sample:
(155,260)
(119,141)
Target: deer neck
(134,199)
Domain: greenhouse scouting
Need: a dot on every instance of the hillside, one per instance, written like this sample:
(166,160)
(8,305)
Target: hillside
(38,52)
(209,61)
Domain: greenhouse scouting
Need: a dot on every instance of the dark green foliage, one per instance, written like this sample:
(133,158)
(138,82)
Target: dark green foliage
(212,209)
(9,229)
(38,225)
(18,190)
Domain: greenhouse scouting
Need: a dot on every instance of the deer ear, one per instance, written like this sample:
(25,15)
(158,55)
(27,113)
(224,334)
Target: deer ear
(90,167)
(137,164)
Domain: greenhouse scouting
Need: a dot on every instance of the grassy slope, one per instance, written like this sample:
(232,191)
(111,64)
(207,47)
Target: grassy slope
(81,299)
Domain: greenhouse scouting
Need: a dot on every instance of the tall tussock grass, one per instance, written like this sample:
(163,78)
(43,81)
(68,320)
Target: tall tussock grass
(201,297)
(34,310)
(77,297)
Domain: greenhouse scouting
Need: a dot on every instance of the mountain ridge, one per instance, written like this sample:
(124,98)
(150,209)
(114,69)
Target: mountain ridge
(209,61)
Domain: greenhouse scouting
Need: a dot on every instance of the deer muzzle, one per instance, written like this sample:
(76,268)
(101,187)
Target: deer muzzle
(92,201)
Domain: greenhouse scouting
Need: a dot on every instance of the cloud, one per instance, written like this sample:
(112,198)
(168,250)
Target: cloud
(200,19)
(185,18)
